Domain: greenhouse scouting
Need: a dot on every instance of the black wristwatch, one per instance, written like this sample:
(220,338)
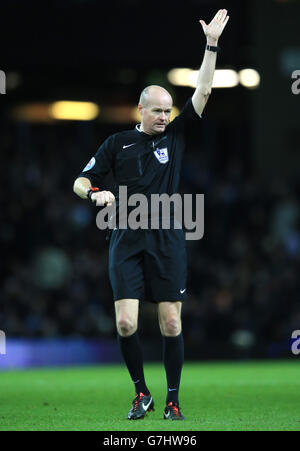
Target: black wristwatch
(212,48)
(91,190)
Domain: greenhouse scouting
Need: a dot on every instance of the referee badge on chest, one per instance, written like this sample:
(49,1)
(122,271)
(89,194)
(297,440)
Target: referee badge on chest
(162,155)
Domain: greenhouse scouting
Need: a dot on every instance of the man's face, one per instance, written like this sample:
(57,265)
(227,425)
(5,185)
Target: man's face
(156,114)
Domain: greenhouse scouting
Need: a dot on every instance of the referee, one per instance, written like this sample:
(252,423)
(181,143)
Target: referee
(147,160)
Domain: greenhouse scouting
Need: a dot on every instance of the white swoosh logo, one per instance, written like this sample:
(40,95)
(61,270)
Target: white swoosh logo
(182,291)
(167,415)
(146,406)
(128,145)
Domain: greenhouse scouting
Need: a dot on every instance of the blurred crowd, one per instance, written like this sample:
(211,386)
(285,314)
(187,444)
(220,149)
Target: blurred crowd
(243,285)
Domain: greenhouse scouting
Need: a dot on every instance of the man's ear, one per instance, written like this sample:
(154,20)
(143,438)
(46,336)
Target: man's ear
(140,108)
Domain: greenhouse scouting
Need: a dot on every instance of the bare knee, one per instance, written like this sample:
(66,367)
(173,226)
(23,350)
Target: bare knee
(171,327)
(126,326)
(126,316)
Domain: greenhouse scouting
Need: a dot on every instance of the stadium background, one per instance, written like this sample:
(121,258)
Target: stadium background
(243,286)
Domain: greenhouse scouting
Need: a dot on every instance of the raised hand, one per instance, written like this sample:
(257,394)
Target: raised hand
(215,28)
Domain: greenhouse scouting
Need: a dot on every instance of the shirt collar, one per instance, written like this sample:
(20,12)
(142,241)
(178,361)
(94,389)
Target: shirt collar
(141,132)
(138,127)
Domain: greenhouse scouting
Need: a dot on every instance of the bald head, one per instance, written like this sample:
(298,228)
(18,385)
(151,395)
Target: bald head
(155,108)
(154,94)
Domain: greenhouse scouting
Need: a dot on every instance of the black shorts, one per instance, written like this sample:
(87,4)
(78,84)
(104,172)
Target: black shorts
(148,264)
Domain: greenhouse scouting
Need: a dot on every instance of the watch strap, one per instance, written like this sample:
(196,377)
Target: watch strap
(91,190)
(212,48)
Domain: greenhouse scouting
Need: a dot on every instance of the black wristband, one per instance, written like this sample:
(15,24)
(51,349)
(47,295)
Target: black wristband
(90,191)
(212,48)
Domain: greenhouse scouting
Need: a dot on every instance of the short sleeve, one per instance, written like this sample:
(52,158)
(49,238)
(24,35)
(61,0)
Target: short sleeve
(100,164)
(187,117)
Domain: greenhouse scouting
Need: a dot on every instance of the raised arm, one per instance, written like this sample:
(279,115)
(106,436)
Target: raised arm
(212,32)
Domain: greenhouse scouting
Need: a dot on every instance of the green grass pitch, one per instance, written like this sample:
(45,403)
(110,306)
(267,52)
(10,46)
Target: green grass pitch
(232,396)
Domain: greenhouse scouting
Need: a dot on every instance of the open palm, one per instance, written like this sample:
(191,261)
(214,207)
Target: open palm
(215,28)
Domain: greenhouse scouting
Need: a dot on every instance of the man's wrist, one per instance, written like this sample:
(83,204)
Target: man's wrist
(91,191)
(212,48)
(212,42)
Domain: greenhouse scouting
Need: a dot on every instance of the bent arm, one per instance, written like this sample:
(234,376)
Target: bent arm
(100,198)
(81,186)
(206,73)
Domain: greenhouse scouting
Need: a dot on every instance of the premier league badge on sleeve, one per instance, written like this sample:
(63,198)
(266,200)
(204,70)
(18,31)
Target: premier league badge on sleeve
(162,155)
(90,164)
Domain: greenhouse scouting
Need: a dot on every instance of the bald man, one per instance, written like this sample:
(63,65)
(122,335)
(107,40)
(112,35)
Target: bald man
(149,264)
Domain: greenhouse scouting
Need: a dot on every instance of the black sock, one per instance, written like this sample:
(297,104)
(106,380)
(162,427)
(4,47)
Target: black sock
(173,355)
(132,354)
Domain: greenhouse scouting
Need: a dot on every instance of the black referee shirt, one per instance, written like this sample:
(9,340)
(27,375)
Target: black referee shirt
(145,164)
